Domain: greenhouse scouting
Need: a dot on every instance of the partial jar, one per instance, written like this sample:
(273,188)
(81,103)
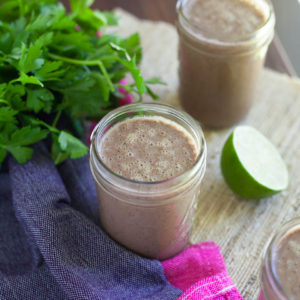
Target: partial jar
(222,48)
(153,219)
(280,271)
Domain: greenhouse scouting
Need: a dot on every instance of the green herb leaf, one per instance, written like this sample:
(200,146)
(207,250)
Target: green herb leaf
(20,153)
(16,141)
(151,93)
(52,70)
(38,99)
(74,41)
(30,60)
(109,18)
(155,80)
(133,46)
(40,24)
(6,42)
(136,74)
(25,79)
(7,114)
(79,5)
(3,87)
(74,147)
(27,136)
(58,156)
(121,50)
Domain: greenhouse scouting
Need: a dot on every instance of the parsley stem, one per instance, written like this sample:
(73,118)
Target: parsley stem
(103,69)
(109,57)
(56,118)
(98,63)
(3,101)
(21,5)
(36,121)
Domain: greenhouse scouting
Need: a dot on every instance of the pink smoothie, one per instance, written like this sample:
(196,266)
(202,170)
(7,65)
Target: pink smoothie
(148,150)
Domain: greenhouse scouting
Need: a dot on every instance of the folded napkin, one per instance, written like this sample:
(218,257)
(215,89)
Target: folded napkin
(52,246)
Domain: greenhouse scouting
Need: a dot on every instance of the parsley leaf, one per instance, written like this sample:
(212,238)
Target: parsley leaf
(69,144)
(51,70)
(16,141)
(25,79)
(20,153)
(7,114)
(56,70)
(78,5)
(39,99)
(27,136)
(136,73)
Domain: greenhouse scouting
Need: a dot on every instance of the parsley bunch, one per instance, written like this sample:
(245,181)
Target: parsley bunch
(53,66)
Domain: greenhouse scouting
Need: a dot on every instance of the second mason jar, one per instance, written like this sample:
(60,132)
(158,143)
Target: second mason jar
(148,161)
(280,272)
(222,48)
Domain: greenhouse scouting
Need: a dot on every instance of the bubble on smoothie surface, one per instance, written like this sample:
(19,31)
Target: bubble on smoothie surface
(226,20)
(148,149)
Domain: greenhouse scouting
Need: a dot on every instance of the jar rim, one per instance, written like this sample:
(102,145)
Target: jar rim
(150,107)
(265,27)
(270,253)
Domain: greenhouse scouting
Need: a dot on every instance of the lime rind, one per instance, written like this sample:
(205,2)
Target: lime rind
(235,165)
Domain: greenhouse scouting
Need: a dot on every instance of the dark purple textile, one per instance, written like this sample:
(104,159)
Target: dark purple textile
(51,244)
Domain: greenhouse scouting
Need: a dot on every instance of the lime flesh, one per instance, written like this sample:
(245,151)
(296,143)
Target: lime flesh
(251,165)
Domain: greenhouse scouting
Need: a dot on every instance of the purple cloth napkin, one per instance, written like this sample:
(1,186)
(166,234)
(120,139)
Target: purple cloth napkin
(51,244)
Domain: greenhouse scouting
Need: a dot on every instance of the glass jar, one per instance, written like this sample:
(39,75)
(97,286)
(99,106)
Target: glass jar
(272,288)
(153,219)
(218,77)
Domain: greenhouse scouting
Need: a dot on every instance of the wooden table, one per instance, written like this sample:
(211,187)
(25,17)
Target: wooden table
(164,10)
(241,228)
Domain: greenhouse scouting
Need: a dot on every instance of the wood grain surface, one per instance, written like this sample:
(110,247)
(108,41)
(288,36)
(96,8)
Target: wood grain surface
(241,228)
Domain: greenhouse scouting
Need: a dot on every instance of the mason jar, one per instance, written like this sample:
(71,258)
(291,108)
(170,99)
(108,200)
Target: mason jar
(281,264)
(153,219)
(218,74)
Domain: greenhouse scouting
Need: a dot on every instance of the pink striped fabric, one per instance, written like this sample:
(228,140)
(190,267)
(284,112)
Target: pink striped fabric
(261,296)
(201,273)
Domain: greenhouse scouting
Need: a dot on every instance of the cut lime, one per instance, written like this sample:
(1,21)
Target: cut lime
(251,165)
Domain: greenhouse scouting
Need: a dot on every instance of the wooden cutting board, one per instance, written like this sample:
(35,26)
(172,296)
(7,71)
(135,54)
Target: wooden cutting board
(241,227)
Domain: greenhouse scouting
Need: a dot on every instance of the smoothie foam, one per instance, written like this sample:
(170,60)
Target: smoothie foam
(148,149)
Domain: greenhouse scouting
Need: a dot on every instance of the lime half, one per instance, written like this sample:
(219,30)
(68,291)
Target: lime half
(251,165)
